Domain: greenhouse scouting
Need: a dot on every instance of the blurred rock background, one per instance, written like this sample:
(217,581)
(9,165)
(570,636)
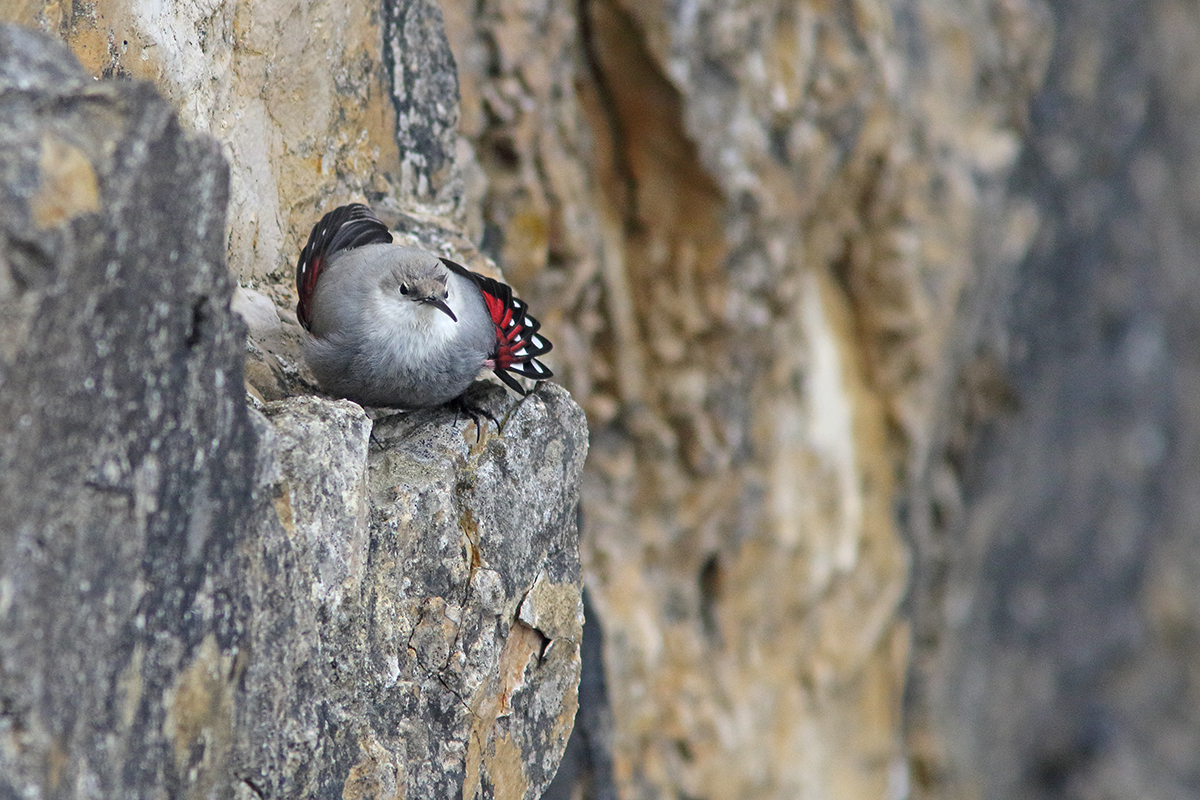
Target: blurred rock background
(1056,646)
(880,314)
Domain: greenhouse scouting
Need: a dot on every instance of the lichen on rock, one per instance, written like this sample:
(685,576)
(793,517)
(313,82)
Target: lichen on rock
(415,553)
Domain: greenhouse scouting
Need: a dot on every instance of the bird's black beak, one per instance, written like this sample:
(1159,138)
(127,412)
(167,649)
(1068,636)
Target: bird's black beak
(440,304)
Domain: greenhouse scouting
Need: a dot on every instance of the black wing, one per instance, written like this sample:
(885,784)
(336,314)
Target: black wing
(518,342)
(344,228)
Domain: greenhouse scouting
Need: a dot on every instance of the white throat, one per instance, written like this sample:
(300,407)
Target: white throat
(412,328)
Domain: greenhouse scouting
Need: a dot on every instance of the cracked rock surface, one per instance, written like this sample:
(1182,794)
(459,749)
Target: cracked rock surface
(439,578)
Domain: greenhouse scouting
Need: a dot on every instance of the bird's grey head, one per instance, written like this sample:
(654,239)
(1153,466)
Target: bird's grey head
(420,281)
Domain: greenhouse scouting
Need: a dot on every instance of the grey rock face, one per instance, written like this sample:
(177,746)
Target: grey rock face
(1058,611)
(424,93)
(125,448)
(201,601)
(434,597)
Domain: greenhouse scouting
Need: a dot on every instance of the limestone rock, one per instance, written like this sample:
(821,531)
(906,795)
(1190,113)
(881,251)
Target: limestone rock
(315,103)
(753,227)
(749,229)
(767,239)
(199,600)
(757,233)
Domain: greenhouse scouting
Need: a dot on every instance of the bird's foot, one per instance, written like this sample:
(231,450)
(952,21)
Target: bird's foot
(465,406)
(377,415)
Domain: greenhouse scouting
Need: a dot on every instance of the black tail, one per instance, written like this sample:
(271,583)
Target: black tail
(344,228)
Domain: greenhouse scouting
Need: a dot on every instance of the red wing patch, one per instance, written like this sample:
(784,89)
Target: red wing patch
(518,343)
(307,272)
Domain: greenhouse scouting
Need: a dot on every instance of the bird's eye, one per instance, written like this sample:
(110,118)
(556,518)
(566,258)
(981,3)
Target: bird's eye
(404,288)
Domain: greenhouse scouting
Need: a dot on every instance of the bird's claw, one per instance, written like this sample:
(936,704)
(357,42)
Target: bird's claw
(464,407)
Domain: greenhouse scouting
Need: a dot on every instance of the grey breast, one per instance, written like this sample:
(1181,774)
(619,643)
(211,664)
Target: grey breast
(356,355)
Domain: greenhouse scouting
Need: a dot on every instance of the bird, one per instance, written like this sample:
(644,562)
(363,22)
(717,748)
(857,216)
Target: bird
(399,327)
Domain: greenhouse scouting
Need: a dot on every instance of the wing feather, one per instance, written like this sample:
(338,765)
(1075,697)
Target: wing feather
(344,228)
(518,343)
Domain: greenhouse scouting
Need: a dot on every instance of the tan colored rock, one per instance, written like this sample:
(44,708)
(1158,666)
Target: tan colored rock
(298,94)
(752,226)
(748,228)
